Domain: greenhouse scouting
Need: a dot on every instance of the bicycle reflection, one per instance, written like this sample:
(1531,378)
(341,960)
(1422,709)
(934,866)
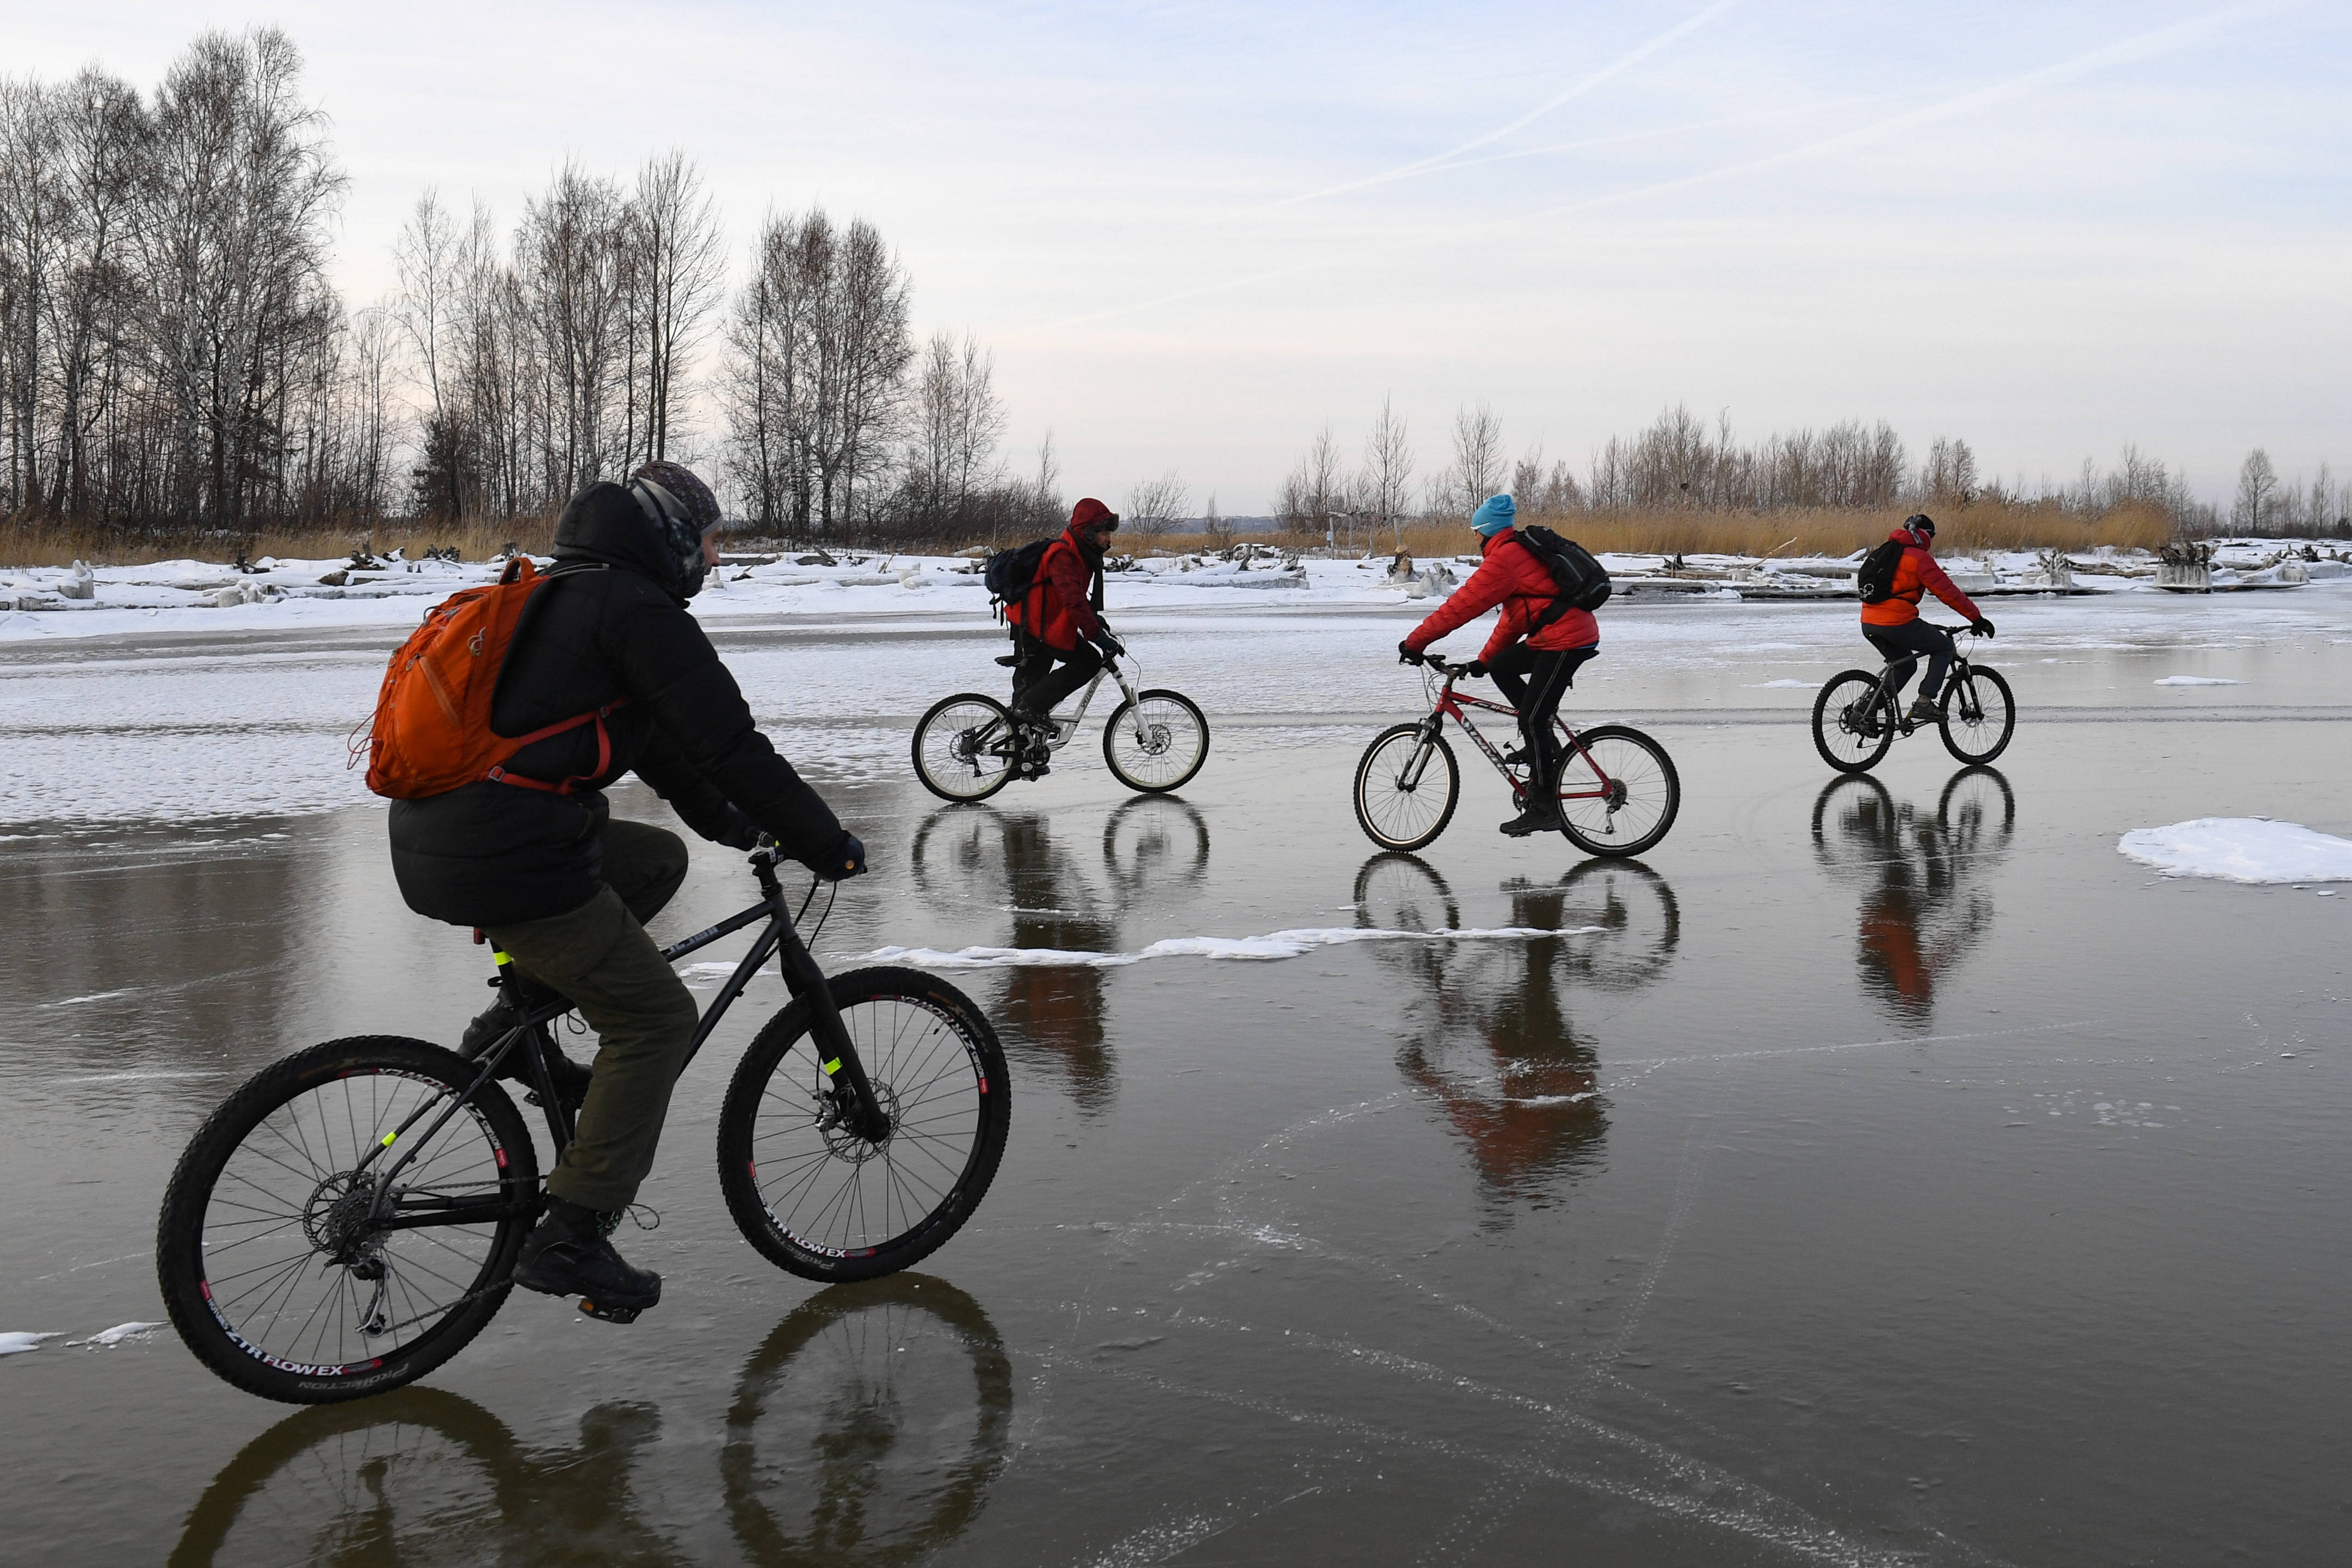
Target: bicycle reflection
(1050,1016)
(866,1430)
(1523,1098)
(1924,902)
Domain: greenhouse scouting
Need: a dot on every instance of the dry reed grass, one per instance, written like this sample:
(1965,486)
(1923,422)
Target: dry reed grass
(1834,533)
(45,543)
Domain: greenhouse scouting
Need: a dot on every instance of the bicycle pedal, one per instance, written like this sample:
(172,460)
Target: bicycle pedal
(609,1314)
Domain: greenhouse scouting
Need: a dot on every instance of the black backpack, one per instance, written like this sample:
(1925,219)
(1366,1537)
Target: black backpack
(1009,574)
(1583,582)
(1876,577)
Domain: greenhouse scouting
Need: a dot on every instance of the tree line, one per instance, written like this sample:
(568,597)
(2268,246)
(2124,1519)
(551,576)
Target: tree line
(173,357)
(1681,462)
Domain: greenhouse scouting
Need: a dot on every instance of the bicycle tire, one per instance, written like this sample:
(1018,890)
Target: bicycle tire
(950,1397)
(1966,684)
(1654,788)
(495,1158)
(384,1431)
(1159,763)
(775,1147)
(945,775)
(1382,767)
(1862,749)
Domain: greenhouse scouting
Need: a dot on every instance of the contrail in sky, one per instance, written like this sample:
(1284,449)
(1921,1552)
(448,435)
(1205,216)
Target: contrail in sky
(1578,90)
(2141,46)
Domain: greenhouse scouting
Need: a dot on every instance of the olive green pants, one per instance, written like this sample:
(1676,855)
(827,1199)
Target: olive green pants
(600,957)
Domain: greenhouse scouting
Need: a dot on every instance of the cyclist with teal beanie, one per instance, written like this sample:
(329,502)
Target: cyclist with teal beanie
(1533,667)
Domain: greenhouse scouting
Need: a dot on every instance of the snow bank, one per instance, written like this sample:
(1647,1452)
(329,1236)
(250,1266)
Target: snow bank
(1277,945)
(2242,849)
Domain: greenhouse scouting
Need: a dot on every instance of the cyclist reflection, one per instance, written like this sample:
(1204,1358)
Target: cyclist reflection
(1523,1099)
(1051,1015)
(1923,904)
(866,1429)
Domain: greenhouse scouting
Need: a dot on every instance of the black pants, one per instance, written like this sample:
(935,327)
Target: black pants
(1037,686)
(1907,642)
(1534,681)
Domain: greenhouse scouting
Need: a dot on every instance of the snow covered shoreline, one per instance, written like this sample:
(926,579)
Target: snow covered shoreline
(188,595)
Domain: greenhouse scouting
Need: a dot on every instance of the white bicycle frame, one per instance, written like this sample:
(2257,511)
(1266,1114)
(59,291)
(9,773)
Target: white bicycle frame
(1064,729)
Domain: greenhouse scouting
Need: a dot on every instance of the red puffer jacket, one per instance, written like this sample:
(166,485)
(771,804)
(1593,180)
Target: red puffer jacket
(1058,609)
(1917,574)
(1517,580)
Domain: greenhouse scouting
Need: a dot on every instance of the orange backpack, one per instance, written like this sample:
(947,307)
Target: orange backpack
(432,728)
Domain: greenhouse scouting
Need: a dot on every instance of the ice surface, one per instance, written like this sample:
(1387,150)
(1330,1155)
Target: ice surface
(1277,945)
(2242,849)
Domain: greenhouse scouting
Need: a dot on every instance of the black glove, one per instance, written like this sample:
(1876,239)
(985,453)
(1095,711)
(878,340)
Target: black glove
(1476,669)
(1408,654)
(1110,645)
(847,859)
(739,832)
(1980,627)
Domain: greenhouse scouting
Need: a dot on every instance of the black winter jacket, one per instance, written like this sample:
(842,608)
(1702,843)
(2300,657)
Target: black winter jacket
(610,626)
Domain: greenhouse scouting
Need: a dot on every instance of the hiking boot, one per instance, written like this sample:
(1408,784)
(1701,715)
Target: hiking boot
(1923,711)
(1535,819)
(570,1078)
(568,1255)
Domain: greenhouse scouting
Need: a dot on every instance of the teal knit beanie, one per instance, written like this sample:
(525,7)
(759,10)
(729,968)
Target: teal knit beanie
(1494,515)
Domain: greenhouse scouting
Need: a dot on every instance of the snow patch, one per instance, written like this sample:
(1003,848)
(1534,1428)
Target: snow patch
(107,1338)
(2241,850)
(1277,945)
(2197,680)
(1780,686)
(16,1345)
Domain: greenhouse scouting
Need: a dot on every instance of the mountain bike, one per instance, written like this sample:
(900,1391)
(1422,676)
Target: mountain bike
(1617,789)
(350,1218)
(969,746)
(1859,715)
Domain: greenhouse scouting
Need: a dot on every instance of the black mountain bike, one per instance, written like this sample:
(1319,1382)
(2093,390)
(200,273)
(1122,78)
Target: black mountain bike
(350,1217)
(1858,714)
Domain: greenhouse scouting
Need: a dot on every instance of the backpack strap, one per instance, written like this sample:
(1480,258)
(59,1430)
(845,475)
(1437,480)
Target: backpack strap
(498,774)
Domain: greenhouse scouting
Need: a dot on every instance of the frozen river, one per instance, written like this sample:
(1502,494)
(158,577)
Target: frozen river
(1888,1171)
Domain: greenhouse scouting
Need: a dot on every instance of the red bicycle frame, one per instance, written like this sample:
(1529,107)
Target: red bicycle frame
(1451,703)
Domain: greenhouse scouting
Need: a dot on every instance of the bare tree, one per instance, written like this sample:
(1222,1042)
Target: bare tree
(955,425)
(1153,506)
(1388,473)
(678,269)
(1478,465)
(2256,479)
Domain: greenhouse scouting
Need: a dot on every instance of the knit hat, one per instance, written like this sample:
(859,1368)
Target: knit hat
(684,510)
(1494,514)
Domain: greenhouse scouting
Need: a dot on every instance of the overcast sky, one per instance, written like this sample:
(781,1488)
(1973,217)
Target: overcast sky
(1193,233)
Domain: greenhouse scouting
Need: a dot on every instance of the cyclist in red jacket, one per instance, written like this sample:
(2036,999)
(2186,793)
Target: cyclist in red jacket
(1893,627)
(1533,669)
(1057,621)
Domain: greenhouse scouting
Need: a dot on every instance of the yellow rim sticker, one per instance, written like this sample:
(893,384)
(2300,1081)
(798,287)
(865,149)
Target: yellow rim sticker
(388,1138)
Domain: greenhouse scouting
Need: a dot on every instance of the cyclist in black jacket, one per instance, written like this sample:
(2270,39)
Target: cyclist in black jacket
(538,863)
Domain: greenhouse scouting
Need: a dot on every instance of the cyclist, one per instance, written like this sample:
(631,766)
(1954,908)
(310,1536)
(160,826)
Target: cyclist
(1893,627)
(562,887)
(1059,621)
(1533,669)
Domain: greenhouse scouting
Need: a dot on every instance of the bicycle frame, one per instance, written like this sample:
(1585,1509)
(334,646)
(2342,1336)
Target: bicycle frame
(836,1056)
(1066,730)
(1895,672)
(1451,704)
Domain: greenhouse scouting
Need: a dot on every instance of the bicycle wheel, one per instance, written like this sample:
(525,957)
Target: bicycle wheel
(963,747)
(276,1262)
(869,1427)
(821,1202)
(1405,792)
(1165,749)
(413,1477)
(1617,791)
(1977,714)
(1853,723)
